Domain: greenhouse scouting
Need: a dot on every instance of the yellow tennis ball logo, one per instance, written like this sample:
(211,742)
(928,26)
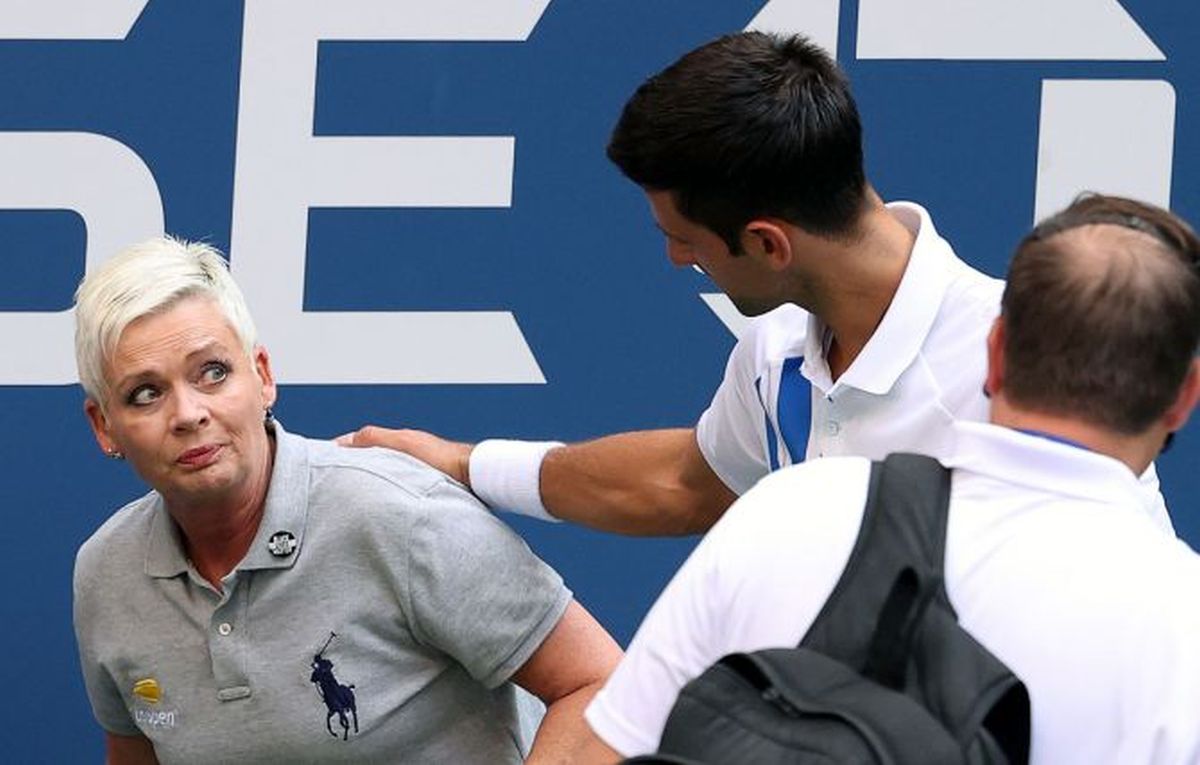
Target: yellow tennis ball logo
(148,690)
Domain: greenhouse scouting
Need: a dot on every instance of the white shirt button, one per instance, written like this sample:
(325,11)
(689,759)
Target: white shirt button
(833,428)
(224,628)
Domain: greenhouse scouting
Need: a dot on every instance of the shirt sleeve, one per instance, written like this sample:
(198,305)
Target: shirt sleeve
(108,706)
(672,646)
(740,590)
(475,590)
(731,431)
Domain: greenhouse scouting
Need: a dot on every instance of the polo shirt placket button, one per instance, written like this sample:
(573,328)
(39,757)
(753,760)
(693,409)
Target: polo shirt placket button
(224,628)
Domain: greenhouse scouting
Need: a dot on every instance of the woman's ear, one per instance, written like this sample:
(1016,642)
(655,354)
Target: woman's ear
(99,423)
(262,367)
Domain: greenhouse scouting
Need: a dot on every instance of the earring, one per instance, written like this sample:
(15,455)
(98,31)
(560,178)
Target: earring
(116,455)
(268,416)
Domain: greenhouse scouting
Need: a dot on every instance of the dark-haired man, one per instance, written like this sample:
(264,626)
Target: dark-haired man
(1051,561)
(870,331)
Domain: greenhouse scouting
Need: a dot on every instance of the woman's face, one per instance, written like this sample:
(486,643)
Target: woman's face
(185,405)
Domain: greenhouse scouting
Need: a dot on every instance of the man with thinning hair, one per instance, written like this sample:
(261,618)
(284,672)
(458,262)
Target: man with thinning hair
(1051,561)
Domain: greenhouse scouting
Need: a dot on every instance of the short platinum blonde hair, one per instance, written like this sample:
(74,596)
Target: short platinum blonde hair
(149,278)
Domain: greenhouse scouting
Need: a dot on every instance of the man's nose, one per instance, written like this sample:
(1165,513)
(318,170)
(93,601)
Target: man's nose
(679,256)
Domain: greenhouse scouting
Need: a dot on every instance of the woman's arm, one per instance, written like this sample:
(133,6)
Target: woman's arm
(128,750)
(565,672)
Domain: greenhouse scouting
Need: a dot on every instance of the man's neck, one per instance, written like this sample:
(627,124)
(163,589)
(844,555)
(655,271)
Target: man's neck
(860,283)
(1136,452)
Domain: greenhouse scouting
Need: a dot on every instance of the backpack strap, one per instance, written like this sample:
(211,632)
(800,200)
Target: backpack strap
(890,619)
(896,564)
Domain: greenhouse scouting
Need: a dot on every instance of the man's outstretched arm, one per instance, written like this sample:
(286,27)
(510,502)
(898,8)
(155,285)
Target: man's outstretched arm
(650,482)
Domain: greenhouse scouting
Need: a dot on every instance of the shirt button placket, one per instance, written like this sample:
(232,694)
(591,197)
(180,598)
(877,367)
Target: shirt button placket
(226,645)
(833,426)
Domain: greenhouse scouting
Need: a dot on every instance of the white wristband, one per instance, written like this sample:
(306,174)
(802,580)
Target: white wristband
(504,474)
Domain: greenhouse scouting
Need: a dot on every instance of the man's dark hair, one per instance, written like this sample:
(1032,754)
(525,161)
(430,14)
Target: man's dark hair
(1102,313)
(746,126)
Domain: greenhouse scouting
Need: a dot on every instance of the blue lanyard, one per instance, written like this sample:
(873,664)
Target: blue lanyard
(1052,437)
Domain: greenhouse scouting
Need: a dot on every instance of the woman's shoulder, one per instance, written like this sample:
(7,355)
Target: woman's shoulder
(374,467)
(374,481)
(122,534)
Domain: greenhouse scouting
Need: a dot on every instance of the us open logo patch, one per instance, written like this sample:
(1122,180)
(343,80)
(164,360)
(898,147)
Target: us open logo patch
(148,712)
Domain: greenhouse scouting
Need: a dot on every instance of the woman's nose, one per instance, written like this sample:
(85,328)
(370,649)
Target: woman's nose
(191,409)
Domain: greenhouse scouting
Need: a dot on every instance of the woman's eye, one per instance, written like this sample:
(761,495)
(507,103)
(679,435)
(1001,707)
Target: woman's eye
(214,372)
(143,395)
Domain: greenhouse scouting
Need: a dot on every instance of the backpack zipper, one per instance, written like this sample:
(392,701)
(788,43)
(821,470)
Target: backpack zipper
(772,696)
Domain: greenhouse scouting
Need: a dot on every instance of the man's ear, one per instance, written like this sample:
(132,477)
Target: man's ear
(262,367)
(994,382)
(99,423)
(1185,401)
(767,239)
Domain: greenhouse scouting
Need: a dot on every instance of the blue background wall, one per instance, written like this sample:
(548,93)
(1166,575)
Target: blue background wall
(622,339)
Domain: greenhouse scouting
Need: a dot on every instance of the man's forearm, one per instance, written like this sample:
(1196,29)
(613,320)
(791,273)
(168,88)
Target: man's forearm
(653,482)
(650,482)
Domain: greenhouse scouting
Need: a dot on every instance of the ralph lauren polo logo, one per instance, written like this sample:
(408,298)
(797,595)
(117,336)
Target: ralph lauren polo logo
(338,698)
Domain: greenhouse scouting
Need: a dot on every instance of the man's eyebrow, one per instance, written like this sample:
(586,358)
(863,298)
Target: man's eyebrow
(668,234)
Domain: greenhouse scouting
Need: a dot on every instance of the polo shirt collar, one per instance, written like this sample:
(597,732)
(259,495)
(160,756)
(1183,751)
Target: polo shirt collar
(285,510)
(165,557)
(1037,462)
(286,507)
(897,340)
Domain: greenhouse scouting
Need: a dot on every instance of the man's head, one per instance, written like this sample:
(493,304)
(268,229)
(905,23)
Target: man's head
(750,125)
(1100,319)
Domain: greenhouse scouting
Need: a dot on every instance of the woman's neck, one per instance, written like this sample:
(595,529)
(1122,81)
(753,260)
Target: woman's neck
(217,534)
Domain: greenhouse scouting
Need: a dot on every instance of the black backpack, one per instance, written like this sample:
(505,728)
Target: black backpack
(884,675)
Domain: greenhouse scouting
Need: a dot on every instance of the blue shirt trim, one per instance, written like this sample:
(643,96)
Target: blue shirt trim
(795,409)
(772,444)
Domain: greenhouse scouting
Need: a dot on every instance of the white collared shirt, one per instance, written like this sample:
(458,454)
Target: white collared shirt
(1052,563)
(922,369)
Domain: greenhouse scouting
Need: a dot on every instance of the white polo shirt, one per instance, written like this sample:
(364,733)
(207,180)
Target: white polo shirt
(1052,563)
(922,369)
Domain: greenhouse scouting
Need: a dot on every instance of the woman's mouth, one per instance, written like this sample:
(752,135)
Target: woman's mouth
(201,456)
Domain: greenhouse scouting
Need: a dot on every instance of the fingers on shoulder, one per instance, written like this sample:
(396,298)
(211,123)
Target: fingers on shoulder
(373,435)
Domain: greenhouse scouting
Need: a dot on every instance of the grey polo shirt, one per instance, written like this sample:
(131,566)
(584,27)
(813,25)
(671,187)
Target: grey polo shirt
(404,603)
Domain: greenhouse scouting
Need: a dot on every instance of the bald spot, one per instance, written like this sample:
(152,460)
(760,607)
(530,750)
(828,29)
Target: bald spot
(1103,258)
